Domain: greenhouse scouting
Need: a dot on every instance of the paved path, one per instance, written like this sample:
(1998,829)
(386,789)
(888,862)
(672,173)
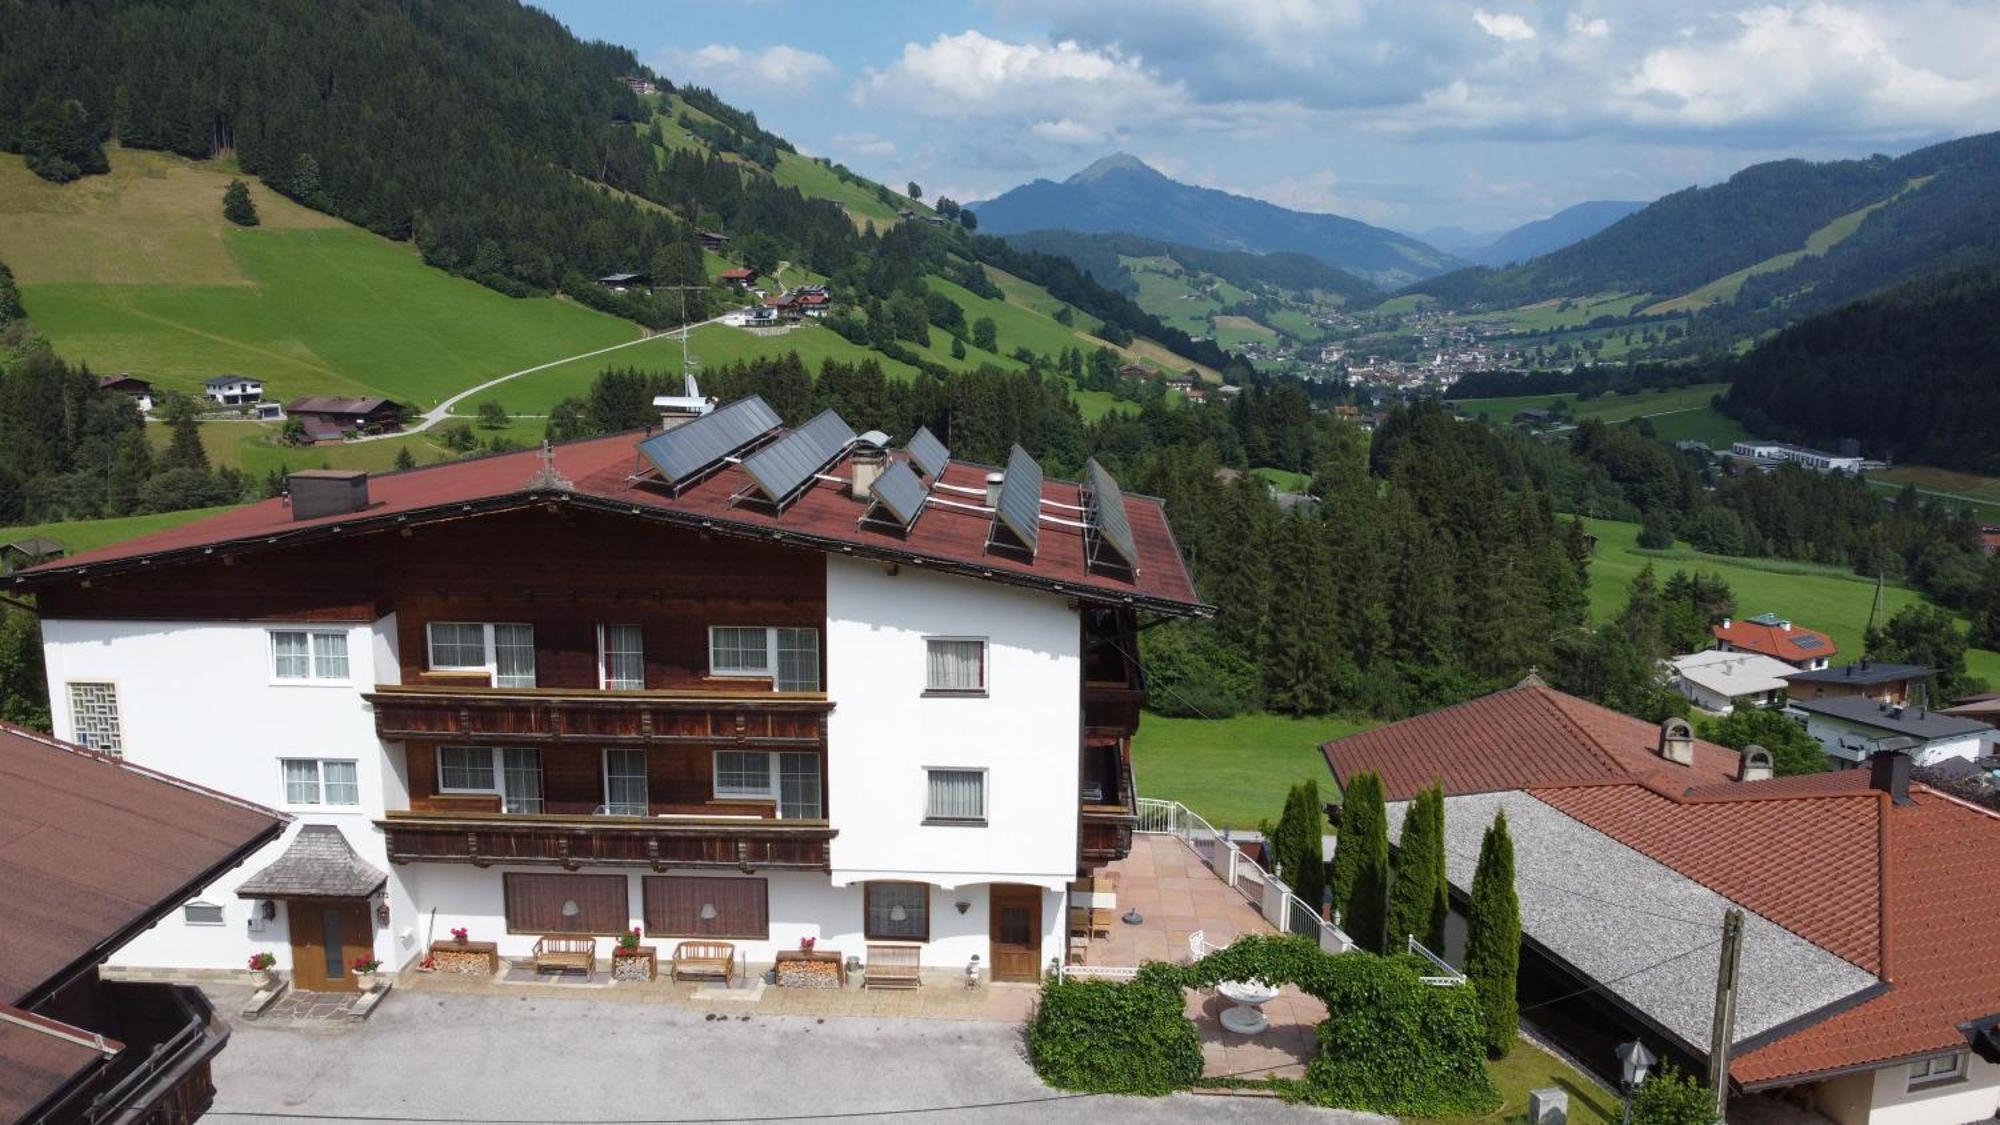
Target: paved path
(442,411)
(432,1057)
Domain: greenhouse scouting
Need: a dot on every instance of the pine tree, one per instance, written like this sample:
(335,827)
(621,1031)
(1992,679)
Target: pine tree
(958,347)
(404,459)
(1418,900)
(1361,862)
(237,205)
(1493,938)
(1295,844)
(184,448)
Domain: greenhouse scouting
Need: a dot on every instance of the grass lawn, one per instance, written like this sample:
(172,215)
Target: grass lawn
(1528,1068)
(1234,772)
(1284,480)
(1544,315)
(1661,406)
(1831,599)
(817,181)
(1980,493)
(86,535)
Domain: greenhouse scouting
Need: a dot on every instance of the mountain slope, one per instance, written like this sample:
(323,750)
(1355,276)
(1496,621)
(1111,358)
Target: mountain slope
(1775,242)
(1102,255)
(1543,236)
(1122,194)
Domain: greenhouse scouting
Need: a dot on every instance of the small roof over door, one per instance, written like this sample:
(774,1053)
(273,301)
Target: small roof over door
(319,864)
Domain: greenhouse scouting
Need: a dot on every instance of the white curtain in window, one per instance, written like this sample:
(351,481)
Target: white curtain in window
(288,656)
(343,786)
(798,659)
(956,666)
(798,786)
(738,649)
(742,773)
(624,658)
(301,781)
(456,644)
(958,795)
(329,651)
(514,656)
(625,782)
(521,780)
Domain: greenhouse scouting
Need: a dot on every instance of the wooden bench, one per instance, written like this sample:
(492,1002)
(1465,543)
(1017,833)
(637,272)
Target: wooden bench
(705,959)
(892,966)
(555,951)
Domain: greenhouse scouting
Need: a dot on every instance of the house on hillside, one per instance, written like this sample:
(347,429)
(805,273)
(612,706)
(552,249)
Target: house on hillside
(713,241)
(1876,680)
(1718,682)
(1769,453)
(1535,416)
(620,282)
(139,390)
(742,277)
(233,390)
(1860,997)
(639,85)
(1808,650)
(20,554)
(899,726)
(102,854)
(1134,371)
(1853,728)
(331,418)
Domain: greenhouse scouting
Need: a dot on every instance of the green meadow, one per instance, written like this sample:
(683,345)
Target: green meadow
(88,535)
(1234,772)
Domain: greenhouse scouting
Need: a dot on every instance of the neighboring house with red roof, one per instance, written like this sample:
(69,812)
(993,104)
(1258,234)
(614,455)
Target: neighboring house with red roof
(1864,991)
(741,277)
(93,853)
(1805,649)
(728,680)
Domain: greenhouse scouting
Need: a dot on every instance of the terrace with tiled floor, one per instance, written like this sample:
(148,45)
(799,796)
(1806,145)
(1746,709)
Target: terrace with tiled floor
(1177,895)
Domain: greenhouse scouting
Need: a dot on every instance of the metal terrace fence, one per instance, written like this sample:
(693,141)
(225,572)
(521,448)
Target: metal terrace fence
(1445,975)
(1262,890)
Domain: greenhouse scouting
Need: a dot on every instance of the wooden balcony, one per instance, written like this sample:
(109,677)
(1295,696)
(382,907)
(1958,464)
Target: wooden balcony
(1112,708)
(169,1037)
(537,716)
(482,839)
(1108,813)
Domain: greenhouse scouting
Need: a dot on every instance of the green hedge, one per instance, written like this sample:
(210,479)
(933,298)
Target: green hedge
(1390,1043)
(1107,1037)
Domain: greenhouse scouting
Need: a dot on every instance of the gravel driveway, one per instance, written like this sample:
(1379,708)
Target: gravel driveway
(432,1057)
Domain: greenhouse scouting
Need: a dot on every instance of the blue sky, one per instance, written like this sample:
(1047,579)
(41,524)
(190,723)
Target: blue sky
(1409,114)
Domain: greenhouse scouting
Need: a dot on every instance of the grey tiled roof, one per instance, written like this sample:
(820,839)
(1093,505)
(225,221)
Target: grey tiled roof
(1644,932)
(319,864)
(1917,722)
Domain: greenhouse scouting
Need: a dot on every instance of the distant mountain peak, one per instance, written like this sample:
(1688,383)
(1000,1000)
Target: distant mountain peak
(1115,163)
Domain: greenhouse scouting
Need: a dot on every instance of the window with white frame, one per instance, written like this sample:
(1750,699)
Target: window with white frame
(514,773)
(789,655)
(1941,1070)
(303,655)
(312,781)
(791,779)
(93,717)
(625,783)
(506,652)
(955,665)
(199,913)
(955,796)
(621,657)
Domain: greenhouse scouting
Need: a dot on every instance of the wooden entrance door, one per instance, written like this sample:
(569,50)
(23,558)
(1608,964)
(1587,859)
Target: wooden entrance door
(1015,937)
(328,936)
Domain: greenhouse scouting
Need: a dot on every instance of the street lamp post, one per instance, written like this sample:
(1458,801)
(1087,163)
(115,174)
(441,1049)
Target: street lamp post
(1634,1061)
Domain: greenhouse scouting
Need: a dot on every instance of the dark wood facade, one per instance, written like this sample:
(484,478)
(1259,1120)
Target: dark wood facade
(1114,690)
(484,839)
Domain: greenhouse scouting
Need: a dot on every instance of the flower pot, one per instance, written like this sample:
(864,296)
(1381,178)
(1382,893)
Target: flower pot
(368,982)
(261,979)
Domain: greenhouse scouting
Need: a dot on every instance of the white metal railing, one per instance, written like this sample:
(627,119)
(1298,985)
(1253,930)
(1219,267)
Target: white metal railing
(1446,975)
(1262,890)
(1096,972)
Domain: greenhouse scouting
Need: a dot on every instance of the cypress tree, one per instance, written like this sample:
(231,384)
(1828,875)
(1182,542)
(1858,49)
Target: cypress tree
(1493,938)
(1295,844)
(1361,863)
(1417,898)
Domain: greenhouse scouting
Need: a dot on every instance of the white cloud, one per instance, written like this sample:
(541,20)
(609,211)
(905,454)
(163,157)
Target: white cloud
(864,144)
(1068,132)
(727,67)
(1504,26)
(1589,28)
(974,75)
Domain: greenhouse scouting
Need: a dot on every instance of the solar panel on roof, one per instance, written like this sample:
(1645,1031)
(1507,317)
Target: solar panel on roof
(687,451)
(1107,514)
(786,466)
(928,452)
(1805,641)
(901,494)
(1021,500)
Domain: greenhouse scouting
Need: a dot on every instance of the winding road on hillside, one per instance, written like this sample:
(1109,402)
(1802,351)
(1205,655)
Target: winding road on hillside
(443,411)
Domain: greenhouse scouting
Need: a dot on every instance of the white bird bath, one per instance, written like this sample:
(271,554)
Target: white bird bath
(1249,996)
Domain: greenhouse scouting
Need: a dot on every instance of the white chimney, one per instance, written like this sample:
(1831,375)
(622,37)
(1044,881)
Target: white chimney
(993,483)
(1754,764)
(867,461)
(1725,623)
(1677,742)
(1784,626)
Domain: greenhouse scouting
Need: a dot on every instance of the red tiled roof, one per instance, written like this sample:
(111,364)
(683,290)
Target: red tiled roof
(738,274)
(1776,641)
(1941,912)
(1517,739)
(91,848)
(606,473)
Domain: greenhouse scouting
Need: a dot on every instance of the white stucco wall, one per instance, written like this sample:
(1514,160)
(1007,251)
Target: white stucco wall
(1830,731)
(802,904)
(197,700)
(1883,1097)
(884,732)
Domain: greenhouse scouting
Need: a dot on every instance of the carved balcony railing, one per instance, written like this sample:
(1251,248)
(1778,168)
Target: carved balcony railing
(746,843)
(1106,822)
(504,716)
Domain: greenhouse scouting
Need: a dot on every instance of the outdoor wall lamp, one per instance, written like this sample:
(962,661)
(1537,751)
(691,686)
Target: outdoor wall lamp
(708,912)
(382,913)
(268,909)
(962,905)
(1634,1060)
